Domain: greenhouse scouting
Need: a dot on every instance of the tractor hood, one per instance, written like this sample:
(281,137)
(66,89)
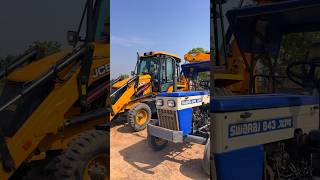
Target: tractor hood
(260,28)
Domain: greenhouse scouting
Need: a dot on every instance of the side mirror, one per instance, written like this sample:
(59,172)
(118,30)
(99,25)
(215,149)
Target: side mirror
(72,38)
(132,73)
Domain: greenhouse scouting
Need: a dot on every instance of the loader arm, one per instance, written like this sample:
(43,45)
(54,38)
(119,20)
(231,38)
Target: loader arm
(124,99)
(127,91)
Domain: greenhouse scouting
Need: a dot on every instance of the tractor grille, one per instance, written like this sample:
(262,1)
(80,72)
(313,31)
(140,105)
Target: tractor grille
(168,119)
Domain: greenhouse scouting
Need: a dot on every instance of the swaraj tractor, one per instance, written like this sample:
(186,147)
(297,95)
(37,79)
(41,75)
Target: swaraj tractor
(54,110)
(268,136)
(155,72)
(183,116)
(260,136)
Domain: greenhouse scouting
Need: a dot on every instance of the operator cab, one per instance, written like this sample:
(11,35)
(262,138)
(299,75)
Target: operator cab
(162,67)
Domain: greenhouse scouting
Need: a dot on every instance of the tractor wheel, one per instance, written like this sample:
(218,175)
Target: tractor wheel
(139,116)
(156,143)
(206,158)
(87,157)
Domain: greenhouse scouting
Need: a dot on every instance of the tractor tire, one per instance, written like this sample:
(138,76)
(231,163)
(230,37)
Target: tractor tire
(139,116)
(157,144)
(87,157)
(206,158)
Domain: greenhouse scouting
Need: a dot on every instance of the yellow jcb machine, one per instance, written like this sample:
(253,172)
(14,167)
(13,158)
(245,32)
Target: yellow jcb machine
(155,72)
(53,117)
(230,76)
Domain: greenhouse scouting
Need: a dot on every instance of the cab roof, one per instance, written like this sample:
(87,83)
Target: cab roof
(153,53)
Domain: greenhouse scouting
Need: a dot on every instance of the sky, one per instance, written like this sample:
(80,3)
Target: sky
(23,22)
(174,26)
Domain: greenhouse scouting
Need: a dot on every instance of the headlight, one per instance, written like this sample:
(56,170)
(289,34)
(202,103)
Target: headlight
(159,102)
(171,103)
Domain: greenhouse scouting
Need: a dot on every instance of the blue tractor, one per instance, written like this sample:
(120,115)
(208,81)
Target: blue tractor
(268,136)
(256,136)
(183,116)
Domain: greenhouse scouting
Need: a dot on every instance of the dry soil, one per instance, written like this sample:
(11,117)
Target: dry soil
(132,158)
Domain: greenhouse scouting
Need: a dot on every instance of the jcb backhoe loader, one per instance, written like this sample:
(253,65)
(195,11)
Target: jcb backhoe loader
(155,72)
(53,110)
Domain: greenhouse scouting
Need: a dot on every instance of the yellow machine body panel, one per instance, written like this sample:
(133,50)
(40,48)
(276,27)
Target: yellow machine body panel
(40,129)
(36,68)
(233,74)
(197,57)
(101,66)
(236,65)
(120,83)
(44,120)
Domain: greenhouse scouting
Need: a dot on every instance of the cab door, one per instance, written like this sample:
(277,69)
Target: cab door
(167,73)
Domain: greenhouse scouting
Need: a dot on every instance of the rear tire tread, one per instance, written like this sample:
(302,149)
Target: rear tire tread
(69,162)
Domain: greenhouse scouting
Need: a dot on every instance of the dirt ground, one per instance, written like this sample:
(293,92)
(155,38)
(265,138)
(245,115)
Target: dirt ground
(132,158)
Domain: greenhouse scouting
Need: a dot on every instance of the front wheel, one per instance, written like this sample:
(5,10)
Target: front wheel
(156,143)
(87,157)
(139,116)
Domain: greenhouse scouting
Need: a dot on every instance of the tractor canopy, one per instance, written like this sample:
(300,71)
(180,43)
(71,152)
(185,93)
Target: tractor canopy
(259,29)
(192,69)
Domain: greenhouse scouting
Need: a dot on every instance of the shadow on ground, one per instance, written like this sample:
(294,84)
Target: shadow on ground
(150,159)
(196,166)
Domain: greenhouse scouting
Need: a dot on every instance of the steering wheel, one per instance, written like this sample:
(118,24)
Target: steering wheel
(304,73)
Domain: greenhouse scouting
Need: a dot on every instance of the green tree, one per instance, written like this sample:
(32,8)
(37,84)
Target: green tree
(204,76)
(124,76)
(46,47)
(6,60)
(198,50)
(296,45)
